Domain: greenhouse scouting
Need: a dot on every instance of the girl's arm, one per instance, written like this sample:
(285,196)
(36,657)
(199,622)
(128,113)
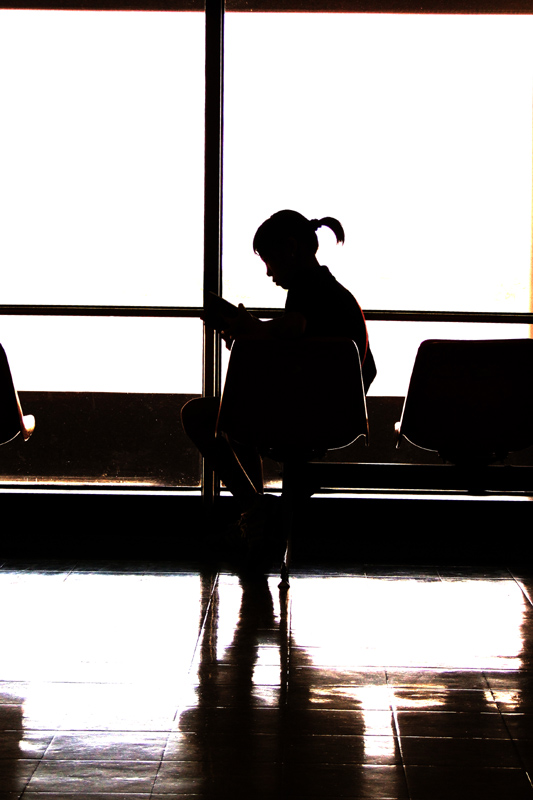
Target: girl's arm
(288,326)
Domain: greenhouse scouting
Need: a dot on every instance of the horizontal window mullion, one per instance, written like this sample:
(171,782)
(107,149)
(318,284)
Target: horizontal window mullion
(303,6)
(100,311)
(266,313)
(424,316)
(450,316)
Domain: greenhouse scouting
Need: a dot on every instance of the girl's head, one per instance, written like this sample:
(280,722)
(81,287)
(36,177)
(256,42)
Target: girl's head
(287,242)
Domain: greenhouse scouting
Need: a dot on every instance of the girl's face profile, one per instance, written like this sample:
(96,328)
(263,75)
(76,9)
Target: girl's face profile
(281,266)
(279,269)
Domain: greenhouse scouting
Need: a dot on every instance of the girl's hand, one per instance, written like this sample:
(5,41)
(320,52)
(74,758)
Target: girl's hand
(228,338)
(244,324)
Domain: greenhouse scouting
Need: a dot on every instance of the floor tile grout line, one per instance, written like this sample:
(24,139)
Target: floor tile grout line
(517,751)
(206,613)
(27,783)
(509,733)
(159,767)
(527,598)
(394,713)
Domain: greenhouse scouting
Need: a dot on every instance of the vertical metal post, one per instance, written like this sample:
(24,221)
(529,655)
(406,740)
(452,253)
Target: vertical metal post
(214,83)
(531,250)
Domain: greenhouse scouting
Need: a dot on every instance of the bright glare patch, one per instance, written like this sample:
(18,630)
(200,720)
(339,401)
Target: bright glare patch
(92,627)
(403,623)
(266,695)
(346,623)
(228,608)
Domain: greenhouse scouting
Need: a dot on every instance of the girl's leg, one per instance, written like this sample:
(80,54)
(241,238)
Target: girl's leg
(242,474)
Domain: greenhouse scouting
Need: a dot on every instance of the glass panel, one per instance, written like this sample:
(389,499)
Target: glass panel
(104,354)
(414,131)
(106,394)
(395,345)
(101,157)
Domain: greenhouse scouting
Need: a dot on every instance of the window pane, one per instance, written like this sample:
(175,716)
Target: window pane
(106,393)
(101,157)
(101,202)
(103,438)
(414,131)
(395,344)
(104,354)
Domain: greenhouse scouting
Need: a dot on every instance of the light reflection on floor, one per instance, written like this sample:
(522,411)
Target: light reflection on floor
(460,624)
(371,684)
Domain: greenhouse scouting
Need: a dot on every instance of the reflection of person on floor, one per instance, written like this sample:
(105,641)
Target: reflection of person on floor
(317,305)
(257,727)
(232,730)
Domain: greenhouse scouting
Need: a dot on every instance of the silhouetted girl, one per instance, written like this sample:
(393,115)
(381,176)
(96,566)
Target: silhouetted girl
(317,305)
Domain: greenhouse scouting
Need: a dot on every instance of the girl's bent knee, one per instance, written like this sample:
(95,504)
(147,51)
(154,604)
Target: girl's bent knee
(199,415)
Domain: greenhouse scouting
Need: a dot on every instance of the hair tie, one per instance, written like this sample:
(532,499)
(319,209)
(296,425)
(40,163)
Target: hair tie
(315,223)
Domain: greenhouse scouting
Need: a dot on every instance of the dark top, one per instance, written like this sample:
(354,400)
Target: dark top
(331,310)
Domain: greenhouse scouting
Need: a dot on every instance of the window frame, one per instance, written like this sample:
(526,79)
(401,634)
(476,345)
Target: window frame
(214,11)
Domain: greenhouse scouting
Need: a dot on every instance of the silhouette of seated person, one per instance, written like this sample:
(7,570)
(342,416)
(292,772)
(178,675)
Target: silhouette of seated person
(317,305)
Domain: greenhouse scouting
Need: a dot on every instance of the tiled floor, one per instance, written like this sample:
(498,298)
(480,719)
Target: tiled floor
(366,683)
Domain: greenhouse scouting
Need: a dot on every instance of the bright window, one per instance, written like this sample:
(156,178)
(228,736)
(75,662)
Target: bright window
(414,131)
(101,193)
(102,203)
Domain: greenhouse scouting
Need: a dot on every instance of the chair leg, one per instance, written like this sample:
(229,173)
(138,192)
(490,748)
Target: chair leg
(284,582)
(292,475)
(286,526)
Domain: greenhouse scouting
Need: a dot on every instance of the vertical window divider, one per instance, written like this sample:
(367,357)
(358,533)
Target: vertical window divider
(214,87)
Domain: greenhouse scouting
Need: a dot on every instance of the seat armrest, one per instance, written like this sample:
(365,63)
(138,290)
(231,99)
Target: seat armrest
(28,426)
(398,434)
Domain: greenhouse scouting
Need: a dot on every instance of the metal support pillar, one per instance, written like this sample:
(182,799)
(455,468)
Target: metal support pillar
(214,81)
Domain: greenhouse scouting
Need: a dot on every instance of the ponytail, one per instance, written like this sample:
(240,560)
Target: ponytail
(331,223)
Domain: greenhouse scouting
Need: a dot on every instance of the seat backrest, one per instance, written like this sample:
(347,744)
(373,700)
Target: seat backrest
(471,399)
(10,424)
(294,397)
